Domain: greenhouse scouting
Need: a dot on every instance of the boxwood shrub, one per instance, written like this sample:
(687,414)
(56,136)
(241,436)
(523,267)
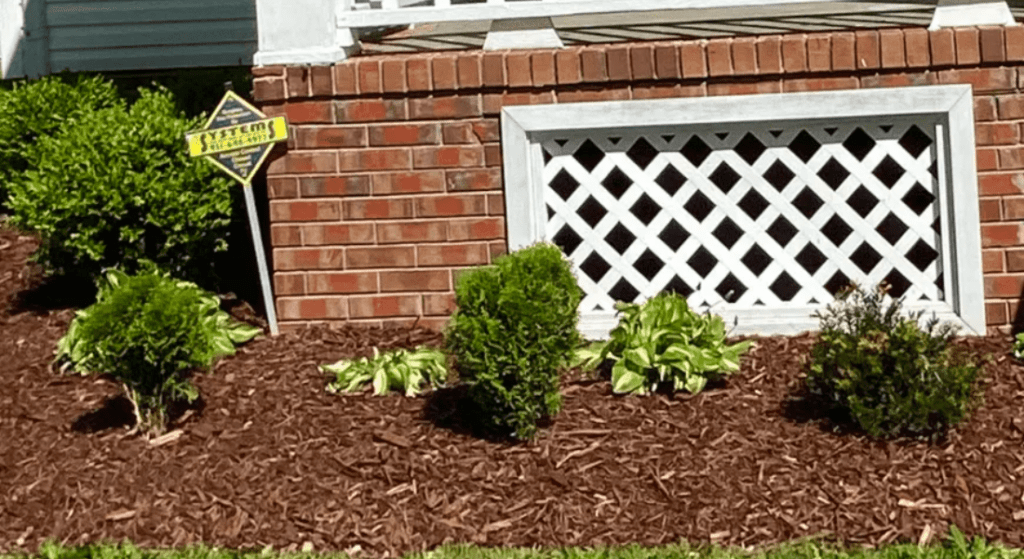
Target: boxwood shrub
(514,329)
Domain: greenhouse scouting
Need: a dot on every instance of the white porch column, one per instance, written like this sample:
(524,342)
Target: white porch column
(965,13)
(301,32)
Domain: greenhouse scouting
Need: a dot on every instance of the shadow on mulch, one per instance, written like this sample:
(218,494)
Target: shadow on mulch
(43,295)
(451,408)
(116,413)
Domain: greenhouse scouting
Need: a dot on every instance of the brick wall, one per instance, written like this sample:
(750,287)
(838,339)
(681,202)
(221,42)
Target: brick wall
(392,179)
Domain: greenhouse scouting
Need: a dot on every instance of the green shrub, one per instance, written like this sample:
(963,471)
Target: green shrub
(394,370)
(117,188)
(664,342)
(514,328)
(151,332)
(35,109)
(888,374)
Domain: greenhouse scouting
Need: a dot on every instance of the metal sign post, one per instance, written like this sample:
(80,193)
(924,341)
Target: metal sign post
(237,138)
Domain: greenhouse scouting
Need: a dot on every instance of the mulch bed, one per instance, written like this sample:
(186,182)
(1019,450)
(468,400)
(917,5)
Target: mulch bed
(272,459)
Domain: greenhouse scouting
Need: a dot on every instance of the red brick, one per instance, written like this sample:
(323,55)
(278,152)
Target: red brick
(1011,107)
(447,156)
(1014,260)
(378,159)
(641,58)
(450,254)
(618,63)
(542,67)
(384,305)
(345,78)
(451,205)
(769,54)
(720,57)
(370,110)
(984,108)
(412,232)
(692,58)
(995,313)
(448,106)
(368,72)
(992,261)
(285,235)
(266,71)
(321,81)
(476,229)
(997,184)
(982,79)
(794,54)
(292,308)
(349,185)
(820,84)
(492,155)
(493,73)
(996,133)
(417,74)
(405,134)
(891,45)
(917,47)
(419,182)
(1014,41)
(943,47)
(437,324)
(304,162)
(844,51)
(989,209)
(1011,158)
(589,94)
(1004,286)
(473,179)
(1013,207)
(378,208)
(416,280)
(330,136)
(1001,234)
(393,73)
(471,132)
(819,52)
(867,49)
(342,282)
(282,187)
(992,46)
(899,79)
(666,59)
(752,87)
(308,258)
(594,65)
(519,74)
(289,284)
(438,304)
(468,66)
(744,56)
(297,78)
(268,90)
(497,249)
(379,257)
(337,234)
(309,111)
(968,50)
(496,204)
(444,72)
(567,66)
(987,160)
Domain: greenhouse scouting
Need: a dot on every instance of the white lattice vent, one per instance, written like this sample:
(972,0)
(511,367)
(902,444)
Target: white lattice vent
(762,220)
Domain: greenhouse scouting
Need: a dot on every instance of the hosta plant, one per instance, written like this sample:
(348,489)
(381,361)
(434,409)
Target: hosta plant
(150,332)
(1018,346)
(399,369)
(663,342)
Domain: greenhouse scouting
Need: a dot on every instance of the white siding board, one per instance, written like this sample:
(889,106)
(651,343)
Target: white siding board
(152,58)
(143,11)
(157,34)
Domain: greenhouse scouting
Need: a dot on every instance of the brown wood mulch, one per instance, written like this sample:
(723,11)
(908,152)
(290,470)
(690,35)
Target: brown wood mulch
(272,459)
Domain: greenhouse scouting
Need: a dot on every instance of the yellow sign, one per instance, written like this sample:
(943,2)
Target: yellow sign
(218,140)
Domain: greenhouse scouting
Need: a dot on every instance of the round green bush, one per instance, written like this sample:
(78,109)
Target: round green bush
(886,373)
(514,329)
(116,188)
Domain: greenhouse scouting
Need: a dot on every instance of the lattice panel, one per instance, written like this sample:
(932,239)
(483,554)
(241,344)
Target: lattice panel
(747,217)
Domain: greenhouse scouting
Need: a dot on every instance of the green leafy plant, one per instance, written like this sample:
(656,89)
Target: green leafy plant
(116,188)
(888,374)
(399,369)
(1018,346)
(514,329)
(664,342)
(150,332)
(31,110)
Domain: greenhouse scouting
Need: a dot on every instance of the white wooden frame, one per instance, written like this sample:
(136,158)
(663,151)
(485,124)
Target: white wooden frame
(521,126)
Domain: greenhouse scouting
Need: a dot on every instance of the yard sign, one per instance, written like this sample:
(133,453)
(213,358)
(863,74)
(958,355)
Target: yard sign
(237,138)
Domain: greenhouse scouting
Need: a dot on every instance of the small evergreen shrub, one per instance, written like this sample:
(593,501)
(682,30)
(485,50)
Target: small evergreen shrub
(116,188)
(888,374)
(31,110)
(514,328)
(150,332)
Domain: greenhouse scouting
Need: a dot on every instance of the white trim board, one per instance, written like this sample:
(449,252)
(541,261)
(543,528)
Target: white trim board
(524,126)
